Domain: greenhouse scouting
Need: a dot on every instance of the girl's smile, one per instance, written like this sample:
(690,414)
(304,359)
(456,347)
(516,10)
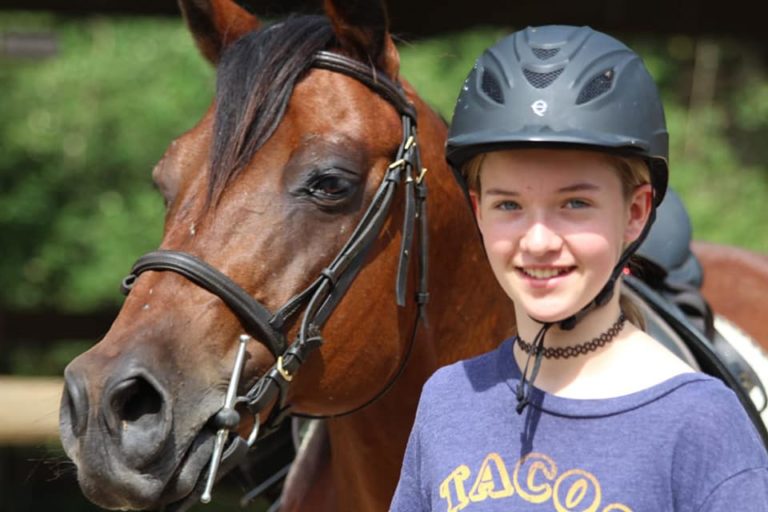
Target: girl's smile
(554,224)
(544,276)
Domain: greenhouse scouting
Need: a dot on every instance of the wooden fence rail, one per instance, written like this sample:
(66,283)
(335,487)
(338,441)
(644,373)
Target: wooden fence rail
(29,409)
(29,406)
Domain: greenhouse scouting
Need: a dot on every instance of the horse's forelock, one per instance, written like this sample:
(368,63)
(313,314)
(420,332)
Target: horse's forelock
(255,79)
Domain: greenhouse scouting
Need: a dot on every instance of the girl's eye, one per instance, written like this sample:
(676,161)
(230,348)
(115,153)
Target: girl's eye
(507,205)
(576,204)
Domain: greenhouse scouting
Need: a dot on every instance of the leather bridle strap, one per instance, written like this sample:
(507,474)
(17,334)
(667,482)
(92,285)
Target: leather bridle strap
(321,297)
(333,283)
(378,82)
(255,316)
(331,286)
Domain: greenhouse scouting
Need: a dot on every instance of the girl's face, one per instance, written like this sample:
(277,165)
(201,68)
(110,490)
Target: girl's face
(554,224)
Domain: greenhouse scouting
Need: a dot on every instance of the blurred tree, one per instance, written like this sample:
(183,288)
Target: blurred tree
(80,133)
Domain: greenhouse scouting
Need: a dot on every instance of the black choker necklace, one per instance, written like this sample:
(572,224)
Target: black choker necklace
(576,350)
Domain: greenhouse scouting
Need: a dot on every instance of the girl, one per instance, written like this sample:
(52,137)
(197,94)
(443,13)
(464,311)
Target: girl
(559,135)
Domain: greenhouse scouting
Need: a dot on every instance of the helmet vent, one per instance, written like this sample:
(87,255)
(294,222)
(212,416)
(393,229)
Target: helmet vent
(541,80)
(545,53)
(491,87)
(600,84)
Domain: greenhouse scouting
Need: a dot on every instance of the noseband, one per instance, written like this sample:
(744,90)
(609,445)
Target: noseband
(321,297)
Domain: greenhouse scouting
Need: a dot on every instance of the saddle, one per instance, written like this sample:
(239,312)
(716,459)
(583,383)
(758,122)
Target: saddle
(665,282)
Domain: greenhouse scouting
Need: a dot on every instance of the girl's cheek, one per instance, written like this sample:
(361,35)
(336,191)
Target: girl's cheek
(498,244)
(493,237)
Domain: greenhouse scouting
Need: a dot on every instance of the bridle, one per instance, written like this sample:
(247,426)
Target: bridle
(321,297)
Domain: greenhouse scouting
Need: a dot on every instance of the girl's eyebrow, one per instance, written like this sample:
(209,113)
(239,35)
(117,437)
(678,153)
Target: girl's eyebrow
(576,187)
(501,192)
(579,187)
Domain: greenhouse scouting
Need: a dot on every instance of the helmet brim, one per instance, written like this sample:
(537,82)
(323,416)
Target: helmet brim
(461,149)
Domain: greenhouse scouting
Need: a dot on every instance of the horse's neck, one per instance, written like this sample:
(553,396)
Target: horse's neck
(367,447)
(467,314)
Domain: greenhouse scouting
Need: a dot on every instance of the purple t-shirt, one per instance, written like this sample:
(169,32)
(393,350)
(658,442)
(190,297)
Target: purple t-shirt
(683,445)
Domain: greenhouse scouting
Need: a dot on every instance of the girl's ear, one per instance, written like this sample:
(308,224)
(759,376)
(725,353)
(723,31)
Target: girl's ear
(639,209)
(475,199)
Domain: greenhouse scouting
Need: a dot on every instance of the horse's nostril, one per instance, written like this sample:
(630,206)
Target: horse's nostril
(138,416)
(74,407)
(137,400)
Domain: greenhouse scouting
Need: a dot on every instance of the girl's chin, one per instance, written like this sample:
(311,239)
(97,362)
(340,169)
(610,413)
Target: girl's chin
(548,318)
(549,312)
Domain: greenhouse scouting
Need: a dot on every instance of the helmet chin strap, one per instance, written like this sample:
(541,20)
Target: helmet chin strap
(523,391)
(605,294)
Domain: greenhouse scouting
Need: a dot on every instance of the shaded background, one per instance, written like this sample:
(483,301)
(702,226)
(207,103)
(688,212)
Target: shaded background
(92,92)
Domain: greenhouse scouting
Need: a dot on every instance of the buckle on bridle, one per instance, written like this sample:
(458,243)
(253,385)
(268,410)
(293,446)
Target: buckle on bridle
(285,374)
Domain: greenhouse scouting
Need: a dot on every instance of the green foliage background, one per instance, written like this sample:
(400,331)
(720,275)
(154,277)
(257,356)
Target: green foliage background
(79,135)
(81,131)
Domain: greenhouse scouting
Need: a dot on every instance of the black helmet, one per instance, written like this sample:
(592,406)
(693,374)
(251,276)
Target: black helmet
(561,85)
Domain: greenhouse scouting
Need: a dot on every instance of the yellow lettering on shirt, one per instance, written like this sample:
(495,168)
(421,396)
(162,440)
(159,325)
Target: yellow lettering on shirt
(535,479)
(575,488)
(452,488)
(538,469)
(617,507)
(492,480)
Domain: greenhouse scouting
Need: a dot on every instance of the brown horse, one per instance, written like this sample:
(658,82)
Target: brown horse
(268,189)
(735,285)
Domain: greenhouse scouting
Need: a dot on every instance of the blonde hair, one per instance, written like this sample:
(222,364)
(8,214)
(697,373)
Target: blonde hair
(471,172)
(633,172)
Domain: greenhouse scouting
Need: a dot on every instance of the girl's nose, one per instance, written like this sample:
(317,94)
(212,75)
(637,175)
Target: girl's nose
(540,239)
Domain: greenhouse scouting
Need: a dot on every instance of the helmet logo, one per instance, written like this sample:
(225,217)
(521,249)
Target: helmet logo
(539,107)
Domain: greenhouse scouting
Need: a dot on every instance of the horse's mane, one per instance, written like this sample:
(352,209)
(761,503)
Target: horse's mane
(255,78)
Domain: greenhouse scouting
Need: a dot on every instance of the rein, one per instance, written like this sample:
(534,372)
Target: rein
(322,296)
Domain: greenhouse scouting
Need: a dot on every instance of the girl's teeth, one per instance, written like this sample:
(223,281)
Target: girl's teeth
(541,273)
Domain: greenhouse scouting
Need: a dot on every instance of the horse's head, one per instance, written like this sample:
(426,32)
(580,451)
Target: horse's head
(268,189)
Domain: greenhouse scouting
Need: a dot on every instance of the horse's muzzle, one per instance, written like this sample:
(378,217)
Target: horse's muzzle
(135,409)
(116,423)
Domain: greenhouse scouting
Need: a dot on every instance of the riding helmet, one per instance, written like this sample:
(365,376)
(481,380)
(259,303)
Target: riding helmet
(565,86)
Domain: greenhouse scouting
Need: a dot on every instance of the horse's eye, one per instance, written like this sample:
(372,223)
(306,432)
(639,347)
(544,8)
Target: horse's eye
(332,187)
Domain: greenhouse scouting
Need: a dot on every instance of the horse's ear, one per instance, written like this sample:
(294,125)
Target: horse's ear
(215,24)
(362,29)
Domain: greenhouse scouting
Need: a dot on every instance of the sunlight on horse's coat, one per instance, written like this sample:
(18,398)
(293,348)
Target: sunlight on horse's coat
(751,352)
